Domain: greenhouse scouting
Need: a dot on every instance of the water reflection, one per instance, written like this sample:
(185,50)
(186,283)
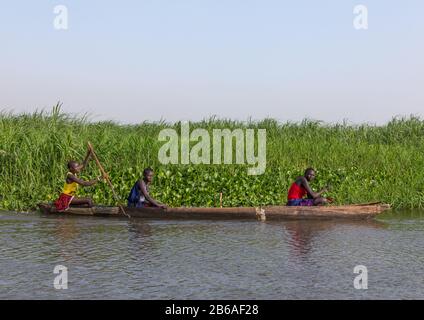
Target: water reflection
(66,230)
(302,233)
(139,228)
(147,259)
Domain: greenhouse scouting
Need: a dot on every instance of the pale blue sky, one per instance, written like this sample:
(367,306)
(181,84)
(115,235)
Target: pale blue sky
(132,61)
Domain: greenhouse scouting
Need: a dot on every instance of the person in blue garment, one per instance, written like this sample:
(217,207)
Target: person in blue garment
(139,196)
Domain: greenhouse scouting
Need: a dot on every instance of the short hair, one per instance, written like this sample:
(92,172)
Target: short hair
(71,164)
(309,170)
(147,171)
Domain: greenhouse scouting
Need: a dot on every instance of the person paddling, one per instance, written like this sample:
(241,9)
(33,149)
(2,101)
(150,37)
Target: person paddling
(68,195)
(300,188)
(139,196)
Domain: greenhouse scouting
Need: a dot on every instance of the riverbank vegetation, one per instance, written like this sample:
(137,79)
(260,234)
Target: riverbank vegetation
(362,163)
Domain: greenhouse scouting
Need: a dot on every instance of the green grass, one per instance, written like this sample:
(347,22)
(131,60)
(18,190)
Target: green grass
(362,163)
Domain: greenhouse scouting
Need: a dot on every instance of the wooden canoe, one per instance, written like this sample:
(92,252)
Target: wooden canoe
(361,211)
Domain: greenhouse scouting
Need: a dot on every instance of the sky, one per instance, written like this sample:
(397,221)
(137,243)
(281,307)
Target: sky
(132,61)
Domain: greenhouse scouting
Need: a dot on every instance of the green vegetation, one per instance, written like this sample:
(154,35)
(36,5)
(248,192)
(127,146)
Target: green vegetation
(362,163)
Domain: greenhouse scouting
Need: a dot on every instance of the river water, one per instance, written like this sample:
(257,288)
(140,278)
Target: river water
(147,259)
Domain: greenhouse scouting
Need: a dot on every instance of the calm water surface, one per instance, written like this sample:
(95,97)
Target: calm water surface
(142,259)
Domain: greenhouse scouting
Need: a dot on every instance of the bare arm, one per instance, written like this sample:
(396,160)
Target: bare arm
(81,182)
(143,189)
(308,188)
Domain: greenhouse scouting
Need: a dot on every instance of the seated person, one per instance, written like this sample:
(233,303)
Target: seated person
(68,195)
(300,188)
(139,195)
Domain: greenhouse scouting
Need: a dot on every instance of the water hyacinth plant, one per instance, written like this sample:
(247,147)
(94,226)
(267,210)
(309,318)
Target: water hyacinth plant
(362,163)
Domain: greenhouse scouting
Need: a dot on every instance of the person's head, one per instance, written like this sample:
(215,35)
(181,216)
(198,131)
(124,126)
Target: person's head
(310,174)
(74,166)
(148,174)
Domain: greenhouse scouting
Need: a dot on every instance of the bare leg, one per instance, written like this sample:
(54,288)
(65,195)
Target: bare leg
(82,202)
(320,201)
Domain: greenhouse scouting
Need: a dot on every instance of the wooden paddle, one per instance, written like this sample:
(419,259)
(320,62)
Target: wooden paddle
(106,177)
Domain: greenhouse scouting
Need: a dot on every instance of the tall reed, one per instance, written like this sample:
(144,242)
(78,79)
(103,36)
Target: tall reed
(362,162)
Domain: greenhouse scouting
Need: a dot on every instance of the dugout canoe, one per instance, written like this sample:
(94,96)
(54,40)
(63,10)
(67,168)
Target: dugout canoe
(358,211)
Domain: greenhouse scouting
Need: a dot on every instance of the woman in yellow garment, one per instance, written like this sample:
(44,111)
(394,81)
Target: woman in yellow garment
(67,197)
